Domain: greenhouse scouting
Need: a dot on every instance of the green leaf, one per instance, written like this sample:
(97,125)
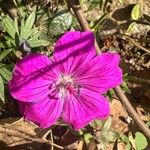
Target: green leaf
(124,138)
(131,139)
(95,3)
(121,1)
(106,126)
(136,12)
(128,146)
(6,44)
(96,123)
(2,89)
(125,87)
(10,41)
(102,145)
(111,93)
(98,23)
(126,77)
(5,73)
(130,27)
(140,141)
(37,42)
(81,132)
(1,25)
(22,27)
(27,26)
(16,25)
(60,23)
(111,136)
(35,33)
(87,137)
(9,26)
(4,53)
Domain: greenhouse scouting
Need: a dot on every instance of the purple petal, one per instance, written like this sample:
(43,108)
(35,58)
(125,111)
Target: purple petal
(101,73)
(32,78)
(44,113)
(73,50)
(80,110)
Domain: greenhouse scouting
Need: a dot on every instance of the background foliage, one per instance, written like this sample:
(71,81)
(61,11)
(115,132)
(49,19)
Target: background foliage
(34,26)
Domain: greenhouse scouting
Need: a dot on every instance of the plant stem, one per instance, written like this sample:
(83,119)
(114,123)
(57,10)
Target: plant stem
(27,137)
(140,81)
(137,44)
(74,4)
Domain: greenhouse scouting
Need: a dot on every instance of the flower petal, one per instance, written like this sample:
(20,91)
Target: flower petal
(44,113)
(74,49)
(32,78)
(101,73)
(80,110)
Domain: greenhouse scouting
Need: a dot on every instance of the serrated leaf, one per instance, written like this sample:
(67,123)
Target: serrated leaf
(87,137)
(37,42)
(60,23)
(4,53)
(9,26)
(136,12)
(5,73)
(2,89)
(140,141)
(106,126)
(30,21)
(27,26)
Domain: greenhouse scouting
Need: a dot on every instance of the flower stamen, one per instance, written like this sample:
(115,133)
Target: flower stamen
(66,86)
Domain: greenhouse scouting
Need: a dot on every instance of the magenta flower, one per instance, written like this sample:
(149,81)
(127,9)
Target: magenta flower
(68,85)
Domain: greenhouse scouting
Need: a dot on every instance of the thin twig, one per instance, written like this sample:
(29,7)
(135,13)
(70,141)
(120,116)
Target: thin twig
(52,141)
(132,111)
(74,4)
(137,44)
(140,81)
(55,145)
(16,133)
